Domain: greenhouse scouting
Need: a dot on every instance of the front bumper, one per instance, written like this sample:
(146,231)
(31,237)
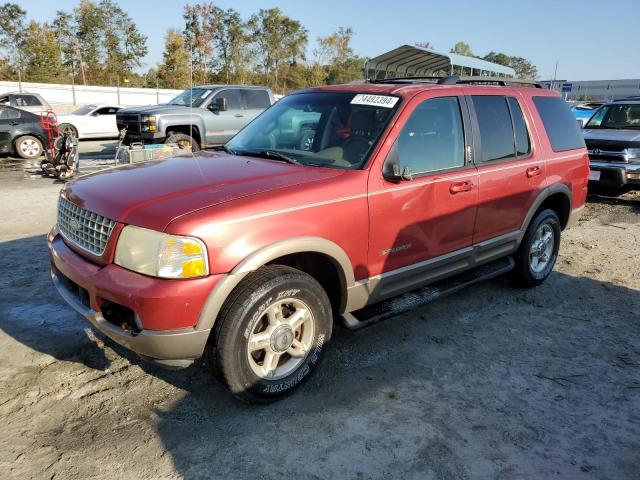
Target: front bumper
(615,174)
(167,310)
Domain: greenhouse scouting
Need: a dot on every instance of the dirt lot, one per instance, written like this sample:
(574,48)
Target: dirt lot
(491,383)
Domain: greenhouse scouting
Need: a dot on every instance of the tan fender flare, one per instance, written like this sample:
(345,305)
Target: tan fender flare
(265,255)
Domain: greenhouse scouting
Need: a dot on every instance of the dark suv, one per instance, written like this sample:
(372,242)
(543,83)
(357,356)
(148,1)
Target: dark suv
(612,136)
(21,133)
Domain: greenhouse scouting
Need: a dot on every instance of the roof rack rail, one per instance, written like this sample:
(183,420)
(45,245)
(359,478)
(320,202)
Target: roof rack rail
(457,80)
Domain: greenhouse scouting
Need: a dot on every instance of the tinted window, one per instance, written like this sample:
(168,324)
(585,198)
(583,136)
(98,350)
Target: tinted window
(27,101)
(560,124)
(433,137)
(233,96)
(106,111)
(496,132)
(8,114)
(523,143)
(257,99)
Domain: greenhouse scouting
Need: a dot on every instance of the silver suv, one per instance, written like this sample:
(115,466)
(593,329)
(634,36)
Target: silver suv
(200,117)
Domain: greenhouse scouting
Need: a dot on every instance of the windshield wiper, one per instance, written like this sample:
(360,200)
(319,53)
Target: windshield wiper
(272,154)
(223,148)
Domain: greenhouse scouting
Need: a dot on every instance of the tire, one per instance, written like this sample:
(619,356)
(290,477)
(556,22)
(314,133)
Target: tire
(183,141)
(69,130)
(28,147)
(536,256)
(259,311)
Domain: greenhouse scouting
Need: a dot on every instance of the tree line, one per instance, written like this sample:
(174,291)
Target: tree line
(97,43)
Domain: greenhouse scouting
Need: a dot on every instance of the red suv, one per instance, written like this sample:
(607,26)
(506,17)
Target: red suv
(333,200)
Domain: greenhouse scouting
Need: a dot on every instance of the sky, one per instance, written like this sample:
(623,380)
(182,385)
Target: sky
(590,39)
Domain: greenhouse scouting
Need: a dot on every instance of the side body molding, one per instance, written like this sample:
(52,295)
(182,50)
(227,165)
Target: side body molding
(265,255)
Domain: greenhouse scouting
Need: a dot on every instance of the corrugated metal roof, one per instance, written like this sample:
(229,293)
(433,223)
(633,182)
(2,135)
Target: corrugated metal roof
(411,61)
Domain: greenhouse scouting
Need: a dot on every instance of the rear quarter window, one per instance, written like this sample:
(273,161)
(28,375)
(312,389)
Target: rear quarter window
(560,124)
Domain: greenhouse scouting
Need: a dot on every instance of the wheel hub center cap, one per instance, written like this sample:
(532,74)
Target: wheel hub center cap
(282,338)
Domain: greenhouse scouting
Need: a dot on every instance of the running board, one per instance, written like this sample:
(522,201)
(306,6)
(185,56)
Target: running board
(422,296)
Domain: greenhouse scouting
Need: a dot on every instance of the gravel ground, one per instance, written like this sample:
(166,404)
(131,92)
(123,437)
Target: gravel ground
(491,383)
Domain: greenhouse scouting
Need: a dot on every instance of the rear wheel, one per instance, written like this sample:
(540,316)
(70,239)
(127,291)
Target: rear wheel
(538,251)
(270,334)
(70,130)
(28,147)
(183,141)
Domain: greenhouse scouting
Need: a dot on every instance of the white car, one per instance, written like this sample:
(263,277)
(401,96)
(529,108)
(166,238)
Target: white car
(91,121)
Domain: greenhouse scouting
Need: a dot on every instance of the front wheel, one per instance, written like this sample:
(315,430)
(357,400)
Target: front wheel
(270,334)
(538,251)
(183,141)
(28,147)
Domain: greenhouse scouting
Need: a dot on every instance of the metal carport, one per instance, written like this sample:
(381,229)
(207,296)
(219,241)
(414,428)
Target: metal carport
(412,61)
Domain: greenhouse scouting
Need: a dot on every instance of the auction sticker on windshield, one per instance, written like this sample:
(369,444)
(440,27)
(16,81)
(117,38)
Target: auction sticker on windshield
(374,100)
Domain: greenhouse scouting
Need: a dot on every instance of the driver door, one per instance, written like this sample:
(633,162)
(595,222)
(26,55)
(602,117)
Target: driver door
(223,125)
(421,226)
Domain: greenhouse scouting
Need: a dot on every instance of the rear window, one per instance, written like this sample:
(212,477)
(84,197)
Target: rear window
(257,99)
(27,101)
(560,124)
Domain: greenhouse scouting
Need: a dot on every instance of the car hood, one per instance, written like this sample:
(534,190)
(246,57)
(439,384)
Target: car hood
(152,109)
(152,194)
(630,135)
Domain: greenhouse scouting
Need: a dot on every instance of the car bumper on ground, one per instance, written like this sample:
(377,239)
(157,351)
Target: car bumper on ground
(156,318)
(614,174)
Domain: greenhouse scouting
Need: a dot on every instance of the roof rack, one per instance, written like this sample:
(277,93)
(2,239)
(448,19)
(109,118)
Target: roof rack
(456,80)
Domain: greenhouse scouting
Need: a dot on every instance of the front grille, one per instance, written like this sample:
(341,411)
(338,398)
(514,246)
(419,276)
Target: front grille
(130,122)
(83,228)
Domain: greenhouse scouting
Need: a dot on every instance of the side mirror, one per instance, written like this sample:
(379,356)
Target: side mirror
(219,105)
(581,124)
(392,171)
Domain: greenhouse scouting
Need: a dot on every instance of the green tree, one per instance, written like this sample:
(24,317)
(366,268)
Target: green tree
(523,67)
(42,55)
(174,71)
(200,32)
(12,34)
(335,55)
(234,46)
(6,71)
(462,48)
(281,42)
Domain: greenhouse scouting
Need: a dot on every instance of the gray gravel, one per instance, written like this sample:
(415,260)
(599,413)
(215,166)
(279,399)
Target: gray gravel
(491,383)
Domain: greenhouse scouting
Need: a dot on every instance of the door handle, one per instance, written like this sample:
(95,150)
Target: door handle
(458,187)
(238,115)
(533,171)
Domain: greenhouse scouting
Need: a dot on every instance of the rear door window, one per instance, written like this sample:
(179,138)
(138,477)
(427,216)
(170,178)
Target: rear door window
(8,114)
(233,96)
(256,99)
(432,139)
(496,130)
(560,124)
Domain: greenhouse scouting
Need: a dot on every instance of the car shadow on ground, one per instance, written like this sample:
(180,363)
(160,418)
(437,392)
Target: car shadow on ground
(532,383)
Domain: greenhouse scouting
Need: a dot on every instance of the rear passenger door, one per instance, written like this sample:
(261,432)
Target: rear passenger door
(510,169)
(222,126)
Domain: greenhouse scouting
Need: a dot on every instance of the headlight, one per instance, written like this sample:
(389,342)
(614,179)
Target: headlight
(149,119)
(161,255)
(633,154)
(148,128)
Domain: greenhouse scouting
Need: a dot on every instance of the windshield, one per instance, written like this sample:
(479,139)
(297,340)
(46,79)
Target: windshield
(616,116)
(194,98)
(338,130)
(84,110)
